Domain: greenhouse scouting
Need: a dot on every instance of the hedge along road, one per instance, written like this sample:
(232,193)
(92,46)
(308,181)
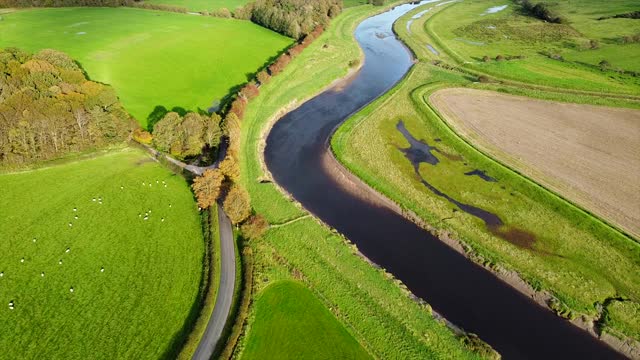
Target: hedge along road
(298,157)
(224,299)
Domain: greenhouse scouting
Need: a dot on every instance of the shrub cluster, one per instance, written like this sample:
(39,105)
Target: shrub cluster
(294,18)
(631,15)
(186,136)
(48,108)
(542,12)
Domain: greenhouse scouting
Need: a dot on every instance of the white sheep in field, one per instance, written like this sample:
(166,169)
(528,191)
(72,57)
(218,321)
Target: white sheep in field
(42,274)
(75,217)
(170,205)
(60,262)
(68,249)
(34,240)
(102,269)
(22,260)
(71,289)
(2,274)
(70,224)
(157,182)
(121,187)
(94,199)
(75,209)
(162,220)
(146,218)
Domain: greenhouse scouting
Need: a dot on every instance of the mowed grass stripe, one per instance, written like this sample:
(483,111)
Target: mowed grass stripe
(291,323)
(152,58)
(152,268)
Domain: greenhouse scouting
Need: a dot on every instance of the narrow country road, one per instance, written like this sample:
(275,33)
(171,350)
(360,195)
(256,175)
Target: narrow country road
(225,293)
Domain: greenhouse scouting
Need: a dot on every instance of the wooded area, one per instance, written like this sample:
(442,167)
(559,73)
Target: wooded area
(49,108)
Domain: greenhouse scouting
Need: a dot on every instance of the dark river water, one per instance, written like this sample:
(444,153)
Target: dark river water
(465,293)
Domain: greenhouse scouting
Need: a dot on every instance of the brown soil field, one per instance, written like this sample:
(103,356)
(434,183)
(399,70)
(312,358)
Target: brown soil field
(588,154)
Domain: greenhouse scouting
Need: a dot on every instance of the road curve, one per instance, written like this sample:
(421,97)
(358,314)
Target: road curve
(222,307)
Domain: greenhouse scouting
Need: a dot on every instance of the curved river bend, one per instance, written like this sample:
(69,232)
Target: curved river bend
(465,293)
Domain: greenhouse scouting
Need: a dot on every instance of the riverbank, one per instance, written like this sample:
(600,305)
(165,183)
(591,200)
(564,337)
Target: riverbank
(373,156)
(364,299)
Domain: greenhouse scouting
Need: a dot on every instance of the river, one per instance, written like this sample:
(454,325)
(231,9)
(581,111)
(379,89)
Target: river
(465,293)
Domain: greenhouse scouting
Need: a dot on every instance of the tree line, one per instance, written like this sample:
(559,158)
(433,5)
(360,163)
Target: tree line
(48,108)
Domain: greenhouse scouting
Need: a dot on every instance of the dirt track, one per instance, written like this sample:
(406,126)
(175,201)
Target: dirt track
(588,154)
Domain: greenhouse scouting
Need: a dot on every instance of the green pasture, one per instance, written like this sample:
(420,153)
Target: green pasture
(575,256)
(291,323)
(466,33)
(152,58)
(139,306)
(376,309)
(202,5)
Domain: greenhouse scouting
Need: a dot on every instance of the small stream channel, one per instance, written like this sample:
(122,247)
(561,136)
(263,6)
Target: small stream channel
(465,293)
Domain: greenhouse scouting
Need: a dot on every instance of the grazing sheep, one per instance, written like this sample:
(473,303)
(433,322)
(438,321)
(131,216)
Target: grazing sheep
(70,224)
(75,217)
(143,184)
(60,262)
(71,289)
(68,249)
(11,305)
(165,185)
(162,220)
(146,218)
(100,202)
(94,199)
(42,274)
(139,215)
(2,274)
(22,260)
(75,209)
(34,239)
(102,269)
(170,205)
(157,182)
(121,187)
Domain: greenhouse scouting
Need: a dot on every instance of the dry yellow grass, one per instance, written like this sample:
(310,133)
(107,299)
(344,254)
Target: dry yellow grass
(588,154)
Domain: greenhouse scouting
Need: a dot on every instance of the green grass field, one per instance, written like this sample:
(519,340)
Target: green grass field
(202,5)
(291,323)
(374,308)
(138,306)
(152,58)
(576,257)
(462,32)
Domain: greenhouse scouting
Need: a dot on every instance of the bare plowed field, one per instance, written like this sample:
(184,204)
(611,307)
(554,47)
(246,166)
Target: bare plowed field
(588,154)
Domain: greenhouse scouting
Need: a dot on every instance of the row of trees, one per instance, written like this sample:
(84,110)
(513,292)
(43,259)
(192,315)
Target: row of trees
(49,108)
(222,183)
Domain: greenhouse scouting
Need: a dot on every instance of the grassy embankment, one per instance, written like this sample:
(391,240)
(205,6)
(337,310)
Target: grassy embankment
(202,5)
(374,308)
(137,307)
(463,36)
(286,309)
(576,257)
(151,58)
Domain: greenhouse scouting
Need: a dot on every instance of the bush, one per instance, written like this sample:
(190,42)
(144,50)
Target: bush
(484,79)
(254,227)
(499,58)
(263,77)
(486,58)
(354,63)
(604,65)
(142,136)
(542,12)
